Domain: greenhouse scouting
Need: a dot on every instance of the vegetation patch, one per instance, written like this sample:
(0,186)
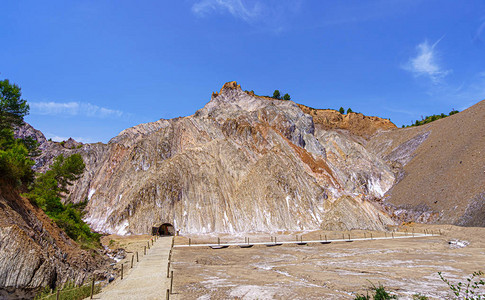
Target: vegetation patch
(429,119)
(47,190)
(68,292)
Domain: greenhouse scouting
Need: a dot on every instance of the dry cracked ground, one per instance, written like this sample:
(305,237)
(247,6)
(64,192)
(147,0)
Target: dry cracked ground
(338,270)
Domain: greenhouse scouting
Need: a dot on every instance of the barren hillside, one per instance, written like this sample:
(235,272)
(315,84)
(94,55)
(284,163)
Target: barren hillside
(444,179)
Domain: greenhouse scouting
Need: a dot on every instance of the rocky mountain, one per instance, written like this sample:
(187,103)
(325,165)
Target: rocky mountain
(34,252)
(250,163)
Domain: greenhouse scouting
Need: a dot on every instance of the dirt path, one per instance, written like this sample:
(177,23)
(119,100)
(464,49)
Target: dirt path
(147,280)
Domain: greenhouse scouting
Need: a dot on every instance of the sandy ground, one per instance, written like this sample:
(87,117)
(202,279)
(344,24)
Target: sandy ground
(333,271)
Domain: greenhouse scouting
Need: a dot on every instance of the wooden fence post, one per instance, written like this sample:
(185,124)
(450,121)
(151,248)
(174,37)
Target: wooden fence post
(136,256)
(121,271)
(168,269)
(168,294)
(57,295)
(92,286)
(189,241)
(132,257)
(144,250)
(148,243)
(171,282)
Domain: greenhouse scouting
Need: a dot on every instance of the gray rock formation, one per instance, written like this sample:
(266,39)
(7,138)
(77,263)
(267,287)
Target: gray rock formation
(241,163)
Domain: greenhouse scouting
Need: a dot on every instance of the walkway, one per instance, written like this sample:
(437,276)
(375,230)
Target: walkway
(148,278)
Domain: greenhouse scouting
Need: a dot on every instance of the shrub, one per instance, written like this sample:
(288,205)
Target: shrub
(380,293)
(470,290)
(341,110)
(286,96)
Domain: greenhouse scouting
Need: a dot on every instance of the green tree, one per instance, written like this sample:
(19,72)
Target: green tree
(15,154)
(67,170)
(12,107)
(349,110)
(286,96)
(276,94)
(341,110)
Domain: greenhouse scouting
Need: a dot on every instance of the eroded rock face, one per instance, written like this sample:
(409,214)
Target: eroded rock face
(33,252)
(356,123)
(242,163)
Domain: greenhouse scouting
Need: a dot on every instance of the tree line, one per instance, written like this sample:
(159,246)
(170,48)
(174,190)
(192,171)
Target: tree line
(429,119)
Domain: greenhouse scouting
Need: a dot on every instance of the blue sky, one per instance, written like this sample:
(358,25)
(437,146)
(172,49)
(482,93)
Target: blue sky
(90,69)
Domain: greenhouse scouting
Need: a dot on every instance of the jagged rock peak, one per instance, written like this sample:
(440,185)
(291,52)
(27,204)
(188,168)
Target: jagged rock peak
(231,85)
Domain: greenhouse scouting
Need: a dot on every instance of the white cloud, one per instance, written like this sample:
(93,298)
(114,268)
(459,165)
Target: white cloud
(73,109)
(425,63)
(479,31)
(235,7)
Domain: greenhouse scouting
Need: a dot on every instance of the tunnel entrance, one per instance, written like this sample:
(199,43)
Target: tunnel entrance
(164,229)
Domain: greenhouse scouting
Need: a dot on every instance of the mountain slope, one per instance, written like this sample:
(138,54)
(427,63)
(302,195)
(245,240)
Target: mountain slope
(443,181)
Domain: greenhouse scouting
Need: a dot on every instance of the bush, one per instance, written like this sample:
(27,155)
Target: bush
(341,110)
(286,97)
(380,293)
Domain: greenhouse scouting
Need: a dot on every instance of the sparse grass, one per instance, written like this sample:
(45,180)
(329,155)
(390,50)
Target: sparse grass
(419,297)
(68,292)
